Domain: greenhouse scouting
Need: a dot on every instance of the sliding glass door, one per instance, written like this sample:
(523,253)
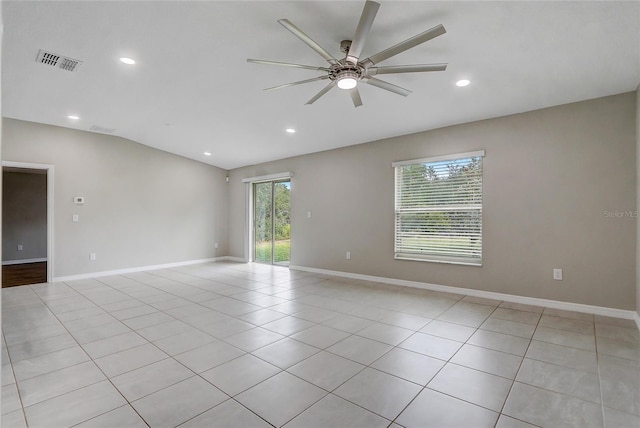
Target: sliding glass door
(272,222)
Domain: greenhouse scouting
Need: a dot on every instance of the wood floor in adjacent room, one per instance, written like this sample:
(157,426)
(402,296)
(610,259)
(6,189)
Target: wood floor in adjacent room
(22,274)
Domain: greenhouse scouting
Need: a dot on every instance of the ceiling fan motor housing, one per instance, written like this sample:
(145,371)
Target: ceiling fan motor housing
(341,71)
(346,69)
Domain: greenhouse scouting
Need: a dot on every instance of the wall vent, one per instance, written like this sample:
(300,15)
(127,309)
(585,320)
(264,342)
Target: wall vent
(97,128)
(57,61)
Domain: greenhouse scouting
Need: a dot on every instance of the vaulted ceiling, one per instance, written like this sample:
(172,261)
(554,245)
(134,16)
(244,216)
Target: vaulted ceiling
(191,90)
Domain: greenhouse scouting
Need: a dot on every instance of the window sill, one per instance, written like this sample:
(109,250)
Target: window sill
(436,259)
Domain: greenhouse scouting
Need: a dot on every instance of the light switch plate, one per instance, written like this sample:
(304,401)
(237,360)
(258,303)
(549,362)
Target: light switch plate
(557,274)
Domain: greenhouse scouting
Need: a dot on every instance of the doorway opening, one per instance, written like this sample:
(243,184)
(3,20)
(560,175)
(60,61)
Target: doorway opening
(27,223)
(272,222)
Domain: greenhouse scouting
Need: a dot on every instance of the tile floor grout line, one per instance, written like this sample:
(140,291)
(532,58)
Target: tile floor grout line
(96,365)
(119,407)
(24,414)
(595,338)
(440,370)
(326,350)
(101,370)
(83,350)
(162,311)
(513,382)
(147,365)
(168,357)
(219,404)
(195,374)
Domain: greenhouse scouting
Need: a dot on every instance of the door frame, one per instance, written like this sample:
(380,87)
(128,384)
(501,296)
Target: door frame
(272,187)
(50,208)
(249,252)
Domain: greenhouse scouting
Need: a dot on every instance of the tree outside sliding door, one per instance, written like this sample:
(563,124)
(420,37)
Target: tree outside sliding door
(272,222)
(282,222)
(263,201)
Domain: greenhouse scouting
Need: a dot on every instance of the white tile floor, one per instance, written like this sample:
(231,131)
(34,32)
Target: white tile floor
(247,345)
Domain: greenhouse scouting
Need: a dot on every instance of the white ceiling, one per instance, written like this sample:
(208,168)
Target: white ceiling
(192,90)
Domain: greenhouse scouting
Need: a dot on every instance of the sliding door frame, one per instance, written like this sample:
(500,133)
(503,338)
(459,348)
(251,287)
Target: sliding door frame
(249,242)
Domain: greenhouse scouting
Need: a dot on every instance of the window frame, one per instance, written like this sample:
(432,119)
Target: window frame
(432,257)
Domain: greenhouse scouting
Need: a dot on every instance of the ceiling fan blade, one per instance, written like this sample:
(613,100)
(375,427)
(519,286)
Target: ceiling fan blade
(403,46)
(386,85)
(287,64)
(355,97)
(362,31)
(418,68)
(322,92)
(308,40)
(315,79)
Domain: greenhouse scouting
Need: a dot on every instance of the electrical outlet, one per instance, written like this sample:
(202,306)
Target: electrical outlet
(75,218)
(19,247)
(308,214)
(216,245)
(557,274)
(348,255)
(92,257)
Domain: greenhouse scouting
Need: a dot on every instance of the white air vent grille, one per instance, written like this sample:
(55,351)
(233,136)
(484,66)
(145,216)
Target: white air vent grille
(97,128)
(58,61)
(48,58)
(69,64)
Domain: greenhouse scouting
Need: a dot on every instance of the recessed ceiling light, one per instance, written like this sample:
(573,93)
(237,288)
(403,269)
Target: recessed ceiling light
(463,82)
(127,61)
(73,117)
(290,130)
(207,154)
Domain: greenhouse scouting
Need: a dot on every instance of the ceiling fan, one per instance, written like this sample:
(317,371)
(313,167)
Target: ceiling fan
(348,71)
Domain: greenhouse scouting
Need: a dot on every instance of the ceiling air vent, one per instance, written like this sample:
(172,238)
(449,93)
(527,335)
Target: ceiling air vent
(97,128)
(58,61)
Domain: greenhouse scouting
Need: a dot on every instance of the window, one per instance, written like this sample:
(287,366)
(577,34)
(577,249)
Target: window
(439,209)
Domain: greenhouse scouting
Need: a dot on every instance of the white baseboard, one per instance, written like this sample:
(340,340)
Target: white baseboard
(136,269)
(534,301)
(23,261)
(235,259)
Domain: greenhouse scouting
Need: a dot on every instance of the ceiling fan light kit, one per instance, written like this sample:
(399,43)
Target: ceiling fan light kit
(346,73)
(347,80)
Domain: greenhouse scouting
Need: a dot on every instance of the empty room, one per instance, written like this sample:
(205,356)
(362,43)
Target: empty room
(402,214)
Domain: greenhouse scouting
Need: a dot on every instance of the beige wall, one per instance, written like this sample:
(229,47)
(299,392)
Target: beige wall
(549,178)
(142,206)
(24,216)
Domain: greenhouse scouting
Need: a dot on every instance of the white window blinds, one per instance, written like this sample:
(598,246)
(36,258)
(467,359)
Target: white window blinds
(439,209)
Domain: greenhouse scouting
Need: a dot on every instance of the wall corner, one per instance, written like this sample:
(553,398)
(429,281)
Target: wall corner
(638,205)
